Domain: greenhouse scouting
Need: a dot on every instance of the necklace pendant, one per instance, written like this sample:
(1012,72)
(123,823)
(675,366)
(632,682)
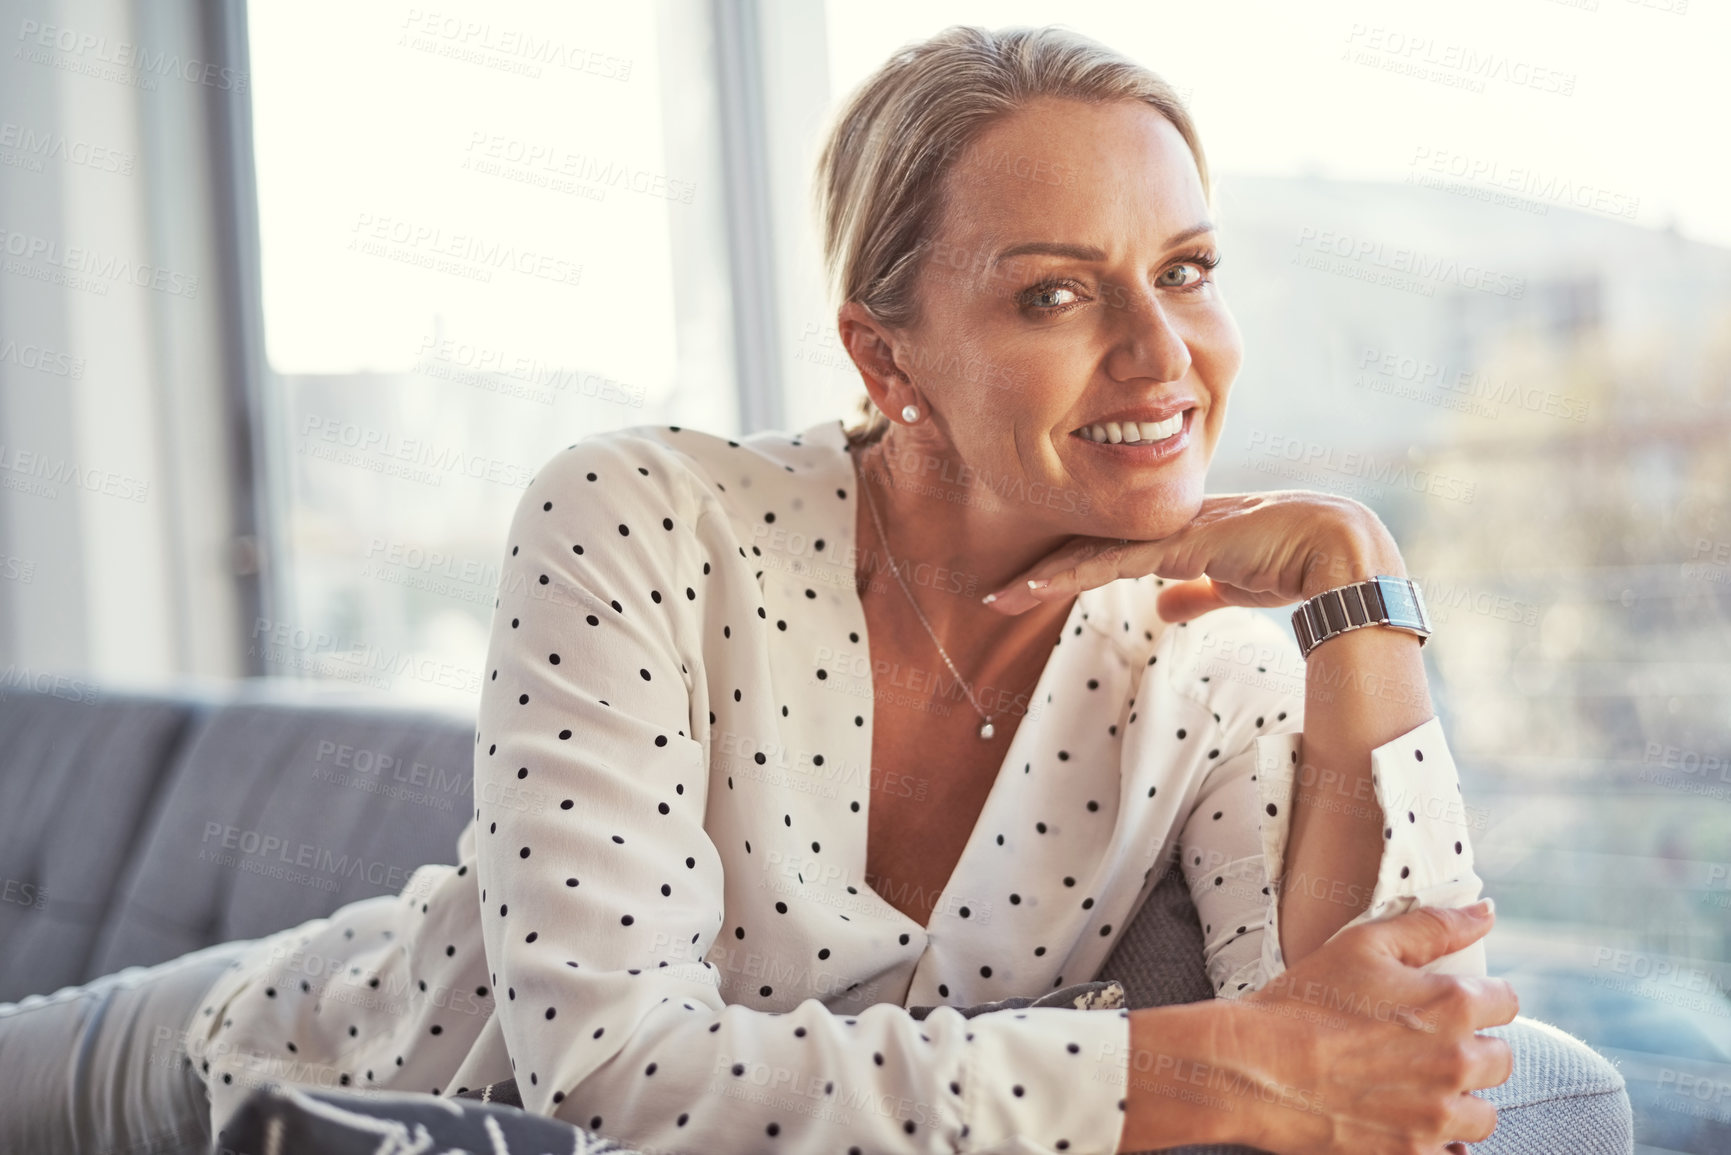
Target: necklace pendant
(986,730)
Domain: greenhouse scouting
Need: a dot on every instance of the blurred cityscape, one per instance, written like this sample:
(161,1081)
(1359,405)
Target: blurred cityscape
(1546,427)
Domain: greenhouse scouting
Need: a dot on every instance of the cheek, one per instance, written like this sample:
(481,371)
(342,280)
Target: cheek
(1035,378)
(1219,351)
(1013,402)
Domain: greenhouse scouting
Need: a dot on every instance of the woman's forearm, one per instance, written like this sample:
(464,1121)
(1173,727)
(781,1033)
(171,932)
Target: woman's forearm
(1362,689)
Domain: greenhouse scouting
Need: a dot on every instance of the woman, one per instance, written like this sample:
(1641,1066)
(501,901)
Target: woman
(785,736)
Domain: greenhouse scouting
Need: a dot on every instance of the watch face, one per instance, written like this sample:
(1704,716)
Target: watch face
(1418,599)
(1402,600)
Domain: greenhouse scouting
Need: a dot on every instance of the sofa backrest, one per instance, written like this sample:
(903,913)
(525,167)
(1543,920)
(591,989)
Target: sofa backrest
(149,826)
(77,771)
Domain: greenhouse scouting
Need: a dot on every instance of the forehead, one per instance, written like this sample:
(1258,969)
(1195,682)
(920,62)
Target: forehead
(1064,170)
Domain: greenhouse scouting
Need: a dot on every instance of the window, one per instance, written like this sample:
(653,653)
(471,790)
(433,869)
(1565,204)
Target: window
(485,233)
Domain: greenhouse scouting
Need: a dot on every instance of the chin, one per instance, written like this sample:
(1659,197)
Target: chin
(1157,512)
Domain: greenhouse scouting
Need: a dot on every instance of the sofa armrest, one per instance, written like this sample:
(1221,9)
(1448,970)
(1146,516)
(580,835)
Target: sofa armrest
(1562,1095)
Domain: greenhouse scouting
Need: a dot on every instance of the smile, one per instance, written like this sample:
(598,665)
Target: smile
(1139,439)
(1132,432)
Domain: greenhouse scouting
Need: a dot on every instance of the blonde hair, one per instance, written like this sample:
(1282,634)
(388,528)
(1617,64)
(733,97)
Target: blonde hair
(879,192)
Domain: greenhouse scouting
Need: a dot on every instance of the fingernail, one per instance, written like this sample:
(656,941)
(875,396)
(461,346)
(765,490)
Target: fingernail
(1484,907)
(1037,584)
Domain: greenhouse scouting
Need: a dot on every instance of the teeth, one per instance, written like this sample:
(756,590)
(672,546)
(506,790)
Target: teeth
(1133,432)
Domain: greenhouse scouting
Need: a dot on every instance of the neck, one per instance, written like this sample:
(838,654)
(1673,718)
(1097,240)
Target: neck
(953,540)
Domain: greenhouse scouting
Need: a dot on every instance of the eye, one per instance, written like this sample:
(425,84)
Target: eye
(1189,272)
(1044,298)
(1181,276)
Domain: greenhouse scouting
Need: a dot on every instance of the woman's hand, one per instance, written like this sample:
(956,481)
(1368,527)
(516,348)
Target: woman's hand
(1384,1054)
(1256,549)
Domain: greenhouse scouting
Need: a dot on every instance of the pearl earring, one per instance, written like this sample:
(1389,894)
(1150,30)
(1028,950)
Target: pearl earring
(910,413)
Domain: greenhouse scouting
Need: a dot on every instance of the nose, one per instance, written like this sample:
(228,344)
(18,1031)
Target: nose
(1147,345)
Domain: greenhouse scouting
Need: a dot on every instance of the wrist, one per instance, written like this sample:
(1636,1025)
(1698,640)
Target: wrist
(1184,1070)
(1273,1067)
(1358,554)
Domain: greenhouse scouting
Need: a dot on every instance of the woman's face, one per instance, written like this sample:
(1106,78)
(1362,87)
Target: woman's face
(1069,287)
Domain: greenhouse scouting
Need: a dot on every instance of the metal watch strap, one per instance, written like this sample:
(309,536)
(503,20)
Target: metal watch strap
(1379,601)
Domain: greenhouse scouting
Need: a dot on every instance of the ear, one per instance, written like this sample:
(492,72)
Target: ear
(872,347)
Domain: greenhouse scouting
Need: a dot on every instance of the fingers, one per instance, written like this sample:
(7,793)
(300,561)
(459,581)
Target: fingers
(1494,1001)
(1457,1003)
(1491,1062)
(1187,600)
(1083,564)
(1426,934)
(1474,1119)
(1015,598)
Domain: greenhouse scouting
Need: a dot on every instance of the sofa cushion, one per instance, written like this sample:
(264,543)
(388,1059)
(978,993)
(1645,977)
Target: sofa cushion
(77,770)
(282,811)
(1158,958)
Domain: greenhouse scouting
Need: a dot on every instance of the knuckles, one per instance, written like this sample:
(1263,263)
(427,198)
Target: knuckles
(1434,1115)
(1455,1065)
(1453,1001)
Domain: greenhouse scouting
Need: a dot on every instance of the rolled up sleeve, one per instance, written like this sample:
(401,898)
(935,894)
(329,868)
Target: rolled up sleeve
(1234,839)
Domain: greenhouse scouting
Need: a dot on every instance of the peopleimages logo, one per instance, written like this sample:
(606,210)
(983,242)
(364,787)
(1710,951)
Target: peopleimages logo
(295,647)
(1454,65)
(1386,471)
(1470,384)
(487,361)
(39,682)
(38,467)
(256,844)
(93,49)
(1412,262)
(491,153)
(430,458)
(48,145)
(1520,180)
(43,360)
(509,49)
(76,259)
(466,254)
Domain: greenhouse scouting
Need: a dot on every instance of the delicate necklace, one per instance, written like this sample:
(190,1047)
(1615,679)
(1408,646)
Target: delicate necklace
(987,730)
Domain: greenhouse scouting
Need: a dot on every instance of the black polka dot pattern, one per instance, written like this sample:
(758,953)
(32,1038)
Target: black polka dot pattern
(681,887)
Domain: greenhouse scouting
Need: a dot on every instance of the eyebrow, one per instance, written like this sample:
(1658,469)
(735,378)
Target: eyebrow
(1090,252)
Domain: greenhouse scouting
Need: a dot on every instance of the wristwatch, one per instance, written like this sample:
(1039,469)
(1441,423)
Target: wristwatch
(1380,601)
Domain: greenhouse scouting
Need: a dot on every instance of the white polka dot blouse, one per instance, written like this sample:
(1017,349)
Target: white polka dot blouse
(659,922)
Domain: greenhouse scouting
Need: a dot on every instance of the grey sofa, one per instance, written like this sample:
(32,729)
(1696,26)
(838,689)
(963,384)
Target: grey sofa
(121,815)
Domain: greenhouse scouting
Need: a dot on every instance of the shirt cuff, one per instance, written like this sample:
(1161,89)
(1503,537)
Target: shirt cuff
(1052,1083)
(1427,856)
